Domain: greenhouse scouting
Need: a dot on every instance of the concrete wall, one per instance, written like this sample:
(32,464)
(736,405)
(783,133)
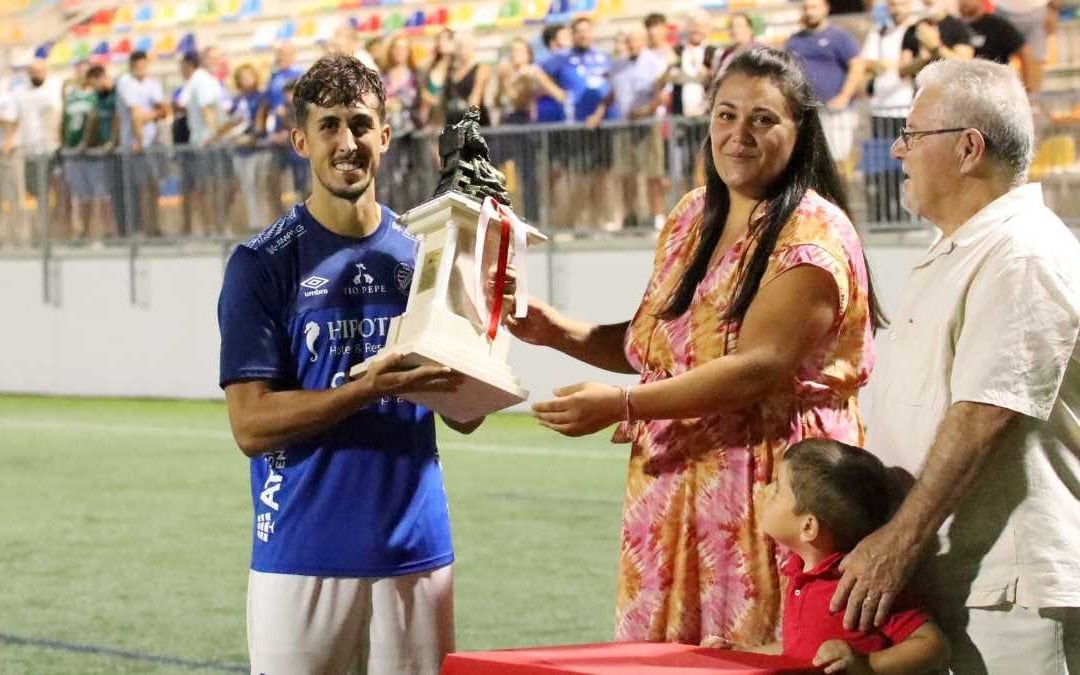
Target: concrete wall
(102,324)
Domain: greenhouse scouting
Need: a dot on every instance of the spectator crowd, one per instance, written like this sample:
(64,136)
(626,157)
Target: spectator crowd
(101,153)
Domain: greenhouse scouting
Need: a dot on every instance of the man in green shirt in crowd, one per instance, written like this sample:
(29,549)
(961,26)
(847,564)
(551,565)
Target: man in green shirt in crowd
(99,138)
(79,103)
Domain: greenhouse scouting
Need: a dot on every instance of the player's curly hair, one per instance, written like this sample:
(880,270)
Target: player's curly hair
(334,80)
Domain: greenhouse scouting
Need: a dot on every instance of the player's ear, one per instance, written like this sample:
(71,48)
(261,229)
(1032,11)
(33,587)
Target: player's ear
(299,141)
(384,138)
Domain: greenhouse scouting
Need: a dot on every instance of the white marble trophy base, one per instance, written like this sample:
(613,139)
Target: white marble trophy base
(444,324)
(489,385)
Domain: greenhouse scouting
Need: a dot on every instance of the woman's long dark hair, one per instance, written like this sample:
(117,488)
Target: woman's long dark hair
(810,168)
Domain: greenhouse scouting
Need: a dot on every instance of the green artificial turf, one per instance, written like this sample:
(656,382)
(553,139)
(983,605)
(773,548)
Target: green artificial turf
(125,535)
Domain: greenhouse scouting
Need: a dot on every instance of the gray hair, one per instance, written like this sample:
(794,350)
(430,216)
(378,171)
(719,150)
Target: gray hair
(989,97)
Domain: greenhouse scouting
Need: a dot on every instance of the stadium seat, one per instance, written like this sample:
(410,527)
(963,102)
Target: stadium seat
(145,44)
(264,37)
(167,45)
(166,16)
(81,51)
(61,53)
(186,44)
(186,12)
(1055,154)
(145,14)
(286,31)
(124,17)
(121,47)
(876,157)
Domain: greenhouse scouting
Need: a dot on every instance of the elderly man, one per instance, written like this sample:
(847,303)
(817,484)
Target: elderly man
(978,391)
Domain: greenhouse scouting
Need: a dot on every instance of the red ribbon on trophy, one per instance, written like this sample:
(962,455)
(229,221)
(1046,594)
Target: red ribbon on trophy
(508,224)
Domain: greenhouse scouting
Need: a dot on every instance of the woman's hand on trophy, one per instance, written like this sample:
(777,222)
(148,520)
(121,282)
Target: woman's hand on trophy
(581,409)
(390,374)
(540,325)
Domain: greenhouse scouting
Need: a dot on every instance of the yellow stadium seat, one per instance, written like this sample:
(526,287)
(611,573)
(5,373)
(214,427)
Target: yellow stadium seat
(1054,154)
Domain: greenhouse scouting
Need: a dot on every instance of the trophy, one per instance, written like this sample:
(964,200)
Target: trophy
(465,230)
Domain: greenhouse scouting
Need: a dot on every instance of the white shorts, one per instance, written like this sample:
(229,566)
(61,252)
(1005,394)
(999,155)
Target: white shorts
(300,625)
(839,127)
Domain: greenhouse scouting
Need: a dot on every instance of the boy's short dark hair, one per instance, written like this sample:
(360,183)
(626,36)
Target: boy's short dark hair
(547,36)
(655,19)
(845,487)
(337,79)
(95,71)
(136,56)
(191,58)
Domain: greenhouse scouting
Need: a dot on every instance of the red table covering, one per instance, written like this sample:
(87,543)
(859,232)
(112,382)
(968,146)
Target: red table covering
(619,658)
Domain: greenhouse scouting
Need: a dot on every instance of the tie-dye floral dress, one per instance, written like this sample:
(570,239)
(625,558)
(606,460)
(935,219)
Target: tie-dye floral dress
(693,560)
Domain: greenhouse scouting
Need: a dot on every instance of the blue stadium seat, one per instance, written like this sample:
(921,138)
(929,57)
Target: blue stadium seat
(876,158)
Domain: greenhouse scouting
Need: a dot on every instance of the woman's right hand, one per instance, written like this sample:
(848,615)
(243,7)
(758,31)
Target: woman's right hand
(541,324)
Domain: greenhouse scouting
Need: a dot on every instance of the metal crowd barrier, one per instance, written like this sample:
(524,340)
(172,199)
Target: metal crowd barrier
(614,179)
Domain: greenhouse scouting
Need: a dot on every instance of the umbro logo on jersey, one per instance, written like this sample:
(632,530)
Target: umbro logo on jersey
(316,284)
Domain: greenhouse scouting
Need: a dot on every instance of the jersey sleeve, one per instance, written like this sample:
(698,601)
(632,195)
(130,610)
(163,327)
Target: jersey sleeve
(254,341)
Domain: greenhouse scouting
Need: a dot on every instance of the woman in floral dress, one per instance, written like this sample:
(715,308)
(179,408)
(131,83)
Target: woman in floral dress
(756,331)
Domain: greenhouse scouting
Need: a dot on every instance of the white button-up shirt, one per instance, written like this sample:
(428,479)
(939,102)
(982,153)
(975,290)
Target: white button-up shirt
(991,315)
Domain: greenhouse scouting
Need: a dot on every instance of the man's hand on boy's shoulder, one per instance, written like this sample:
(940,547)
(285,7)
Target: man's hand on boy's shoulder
(837,656)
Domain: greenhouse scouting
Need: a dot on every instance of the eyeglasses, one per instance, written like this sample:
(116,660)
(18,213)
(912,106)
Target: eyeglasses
(908,138)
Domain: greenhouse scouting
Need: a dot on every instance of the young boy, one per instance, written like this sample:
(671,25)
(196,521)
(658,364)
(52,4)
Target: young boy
(827,497)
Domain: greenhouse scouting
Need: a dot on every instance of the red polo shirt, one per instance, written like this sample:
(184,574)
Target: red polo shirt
(808,622)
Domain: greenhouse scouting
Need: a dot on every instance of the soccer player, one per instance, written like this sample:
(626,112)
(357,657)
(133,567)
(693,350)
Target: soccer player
(351,559)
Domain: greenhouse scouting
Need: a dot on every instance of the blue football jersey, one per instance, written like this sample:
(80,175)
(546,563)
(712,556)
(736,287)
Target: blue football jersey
(300,305)
(592,84)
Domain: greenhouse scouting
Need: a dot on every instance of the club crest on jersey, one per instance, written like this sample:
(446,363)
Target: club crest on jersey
(403,275)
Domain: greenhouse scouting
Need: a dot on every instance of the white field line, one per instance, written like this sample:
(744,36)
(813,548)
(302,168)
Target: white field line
(65,426)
